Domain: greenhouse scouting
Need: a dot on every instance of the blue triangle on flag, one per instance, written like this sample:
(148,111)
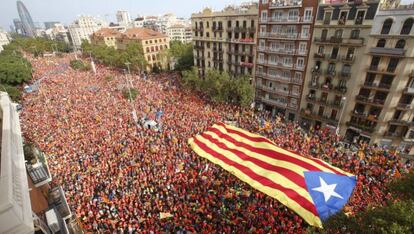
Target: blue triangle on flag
(330,192)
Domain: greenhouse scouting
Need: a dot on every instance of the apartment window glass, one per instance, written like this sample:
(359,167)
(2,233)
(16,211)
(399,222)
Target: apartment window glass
(400,44)
(262,43)
(324,34)
(381,43)
(386,26)
(302,48)
(293,15)
(300,62)
(408,24)
(327,18)
(355,34)
(261,57)
(287,61)
(263,16)
(338,33)
(360,17)
(298,77)
(305,32)
(277,15)
(307,15)
(273,59)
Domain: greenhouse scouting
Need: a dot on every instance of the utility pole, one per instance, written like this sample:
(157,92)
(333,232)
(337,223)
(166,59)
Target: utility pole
(129,83)
(343,101)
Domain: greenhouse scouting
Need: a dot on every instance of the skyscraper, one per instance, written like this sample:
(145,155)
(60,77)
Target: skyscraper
(26,19)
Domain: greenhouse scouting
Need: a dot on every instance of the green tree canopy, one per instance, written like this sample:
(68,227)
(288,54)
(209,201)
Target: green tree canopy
(183,55)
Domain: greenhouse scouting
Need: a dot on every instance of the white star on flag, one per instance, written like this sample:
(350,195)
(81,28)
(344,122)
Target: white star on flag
(328,190)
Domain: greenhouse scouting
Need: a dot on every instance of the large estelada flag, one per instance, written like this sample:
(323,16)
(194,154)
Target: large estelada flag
(312,188)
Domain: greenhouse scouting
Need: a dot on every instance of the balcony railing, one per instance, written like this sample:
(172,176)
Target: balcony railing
(348,59)
(284,35)
(246,64)
(351,41)
(290,19)
(280,64)
(39,172)
(242,41)
(273,90)
(317,116)
(387,51)
(405,106)
(274,102)
(380,85)
(277,77)
(285,4)
(319,55)
(58,200)
(361,125)
(372,101)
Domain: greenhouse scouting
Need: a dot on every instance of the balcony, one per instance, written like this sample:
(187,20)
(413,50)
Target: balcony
(274,102)
(388,71)
(273,90)
(280,65)
(39,171)
(285,4)
(217,29)
(361,125)
(330,73)
(219,60)
(371,101)
(239,52)
(394,134)
(316,116)
(198,47)
(319,55)
(409,90)
(404,106)
(246,64)
(282,36)
(380,86)
(342,41)
(326,87)
(348,59)
(313,85)
(393,52)
(58,200)
(401,122)
(219,50)
(289,20)
(249,41)
(341,89)
(345,74)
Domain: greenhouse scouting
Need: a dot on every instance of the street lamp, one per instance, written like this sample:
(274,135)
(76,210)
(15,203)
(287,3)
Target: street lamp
(129,83)
(343,102)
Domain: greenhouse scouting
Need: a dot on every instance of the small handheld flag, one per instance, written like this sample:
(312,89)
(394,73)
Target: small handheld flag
(310,187)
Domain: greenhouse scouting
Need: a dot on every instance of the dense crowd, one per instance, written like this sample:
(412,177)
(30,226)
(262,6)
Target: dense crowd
(121,176)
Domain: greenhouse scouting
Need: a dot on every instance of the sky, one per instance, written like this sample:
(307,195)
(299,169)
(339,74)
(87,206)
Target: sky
(66,11)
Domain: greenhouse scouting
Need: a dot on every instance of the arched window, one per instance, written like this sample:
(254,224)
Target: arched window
(386,27)
(381,43)
(400,44)
(406,28)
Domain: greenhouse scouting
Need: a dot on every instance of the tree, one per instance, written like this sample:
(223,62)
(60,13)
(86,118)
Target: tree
(130,94)
(182,54)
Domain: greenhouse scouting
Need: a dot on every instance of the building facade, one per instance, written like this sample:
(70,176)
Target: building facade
(4,39)
(285,32)
(123,18)
(154,44)
(225,40)
(83,28)
(382,111)
(28,203)
(336,60)
(28,27)
(180,32)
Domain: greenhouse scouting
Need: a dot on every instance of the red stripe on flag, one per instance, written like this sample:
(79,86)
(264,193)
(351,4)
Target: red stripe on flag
(288,174)
(292,194)
(260,139)
(267,152)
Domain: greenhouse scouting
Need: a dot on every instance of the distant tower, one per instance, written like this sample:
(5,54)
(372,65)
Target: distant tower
(26,20)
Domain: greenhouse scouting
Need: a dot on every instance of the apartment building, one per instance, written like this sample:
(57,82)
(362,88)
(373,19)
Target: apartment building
(284,40)
(29,203)
(83,28)
(180,32)
(382,111)
(225,40)
(4,38)
(336,60)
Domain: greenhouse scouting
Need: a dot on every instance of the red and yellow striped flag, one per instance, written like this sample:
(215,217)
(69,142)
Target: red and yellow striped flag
(274,171)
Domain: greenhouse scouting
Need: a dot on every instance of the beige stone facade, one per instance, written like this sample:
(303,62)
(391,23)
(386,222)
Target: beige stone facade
(225,40)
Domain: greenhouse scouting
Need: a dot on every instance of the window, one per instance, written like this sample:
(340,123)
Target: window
(300,62)
(293,15)
(324,34)
(360,17)
(400,44)
(334,53)
(381,43)
(263,16)
(392,65)
(406,28)
(342,18)
(386,27)
(302,48)
(308,15)
(327,18)
(277,15)
(262,43)
(338,33)
(355,34)
(305,32)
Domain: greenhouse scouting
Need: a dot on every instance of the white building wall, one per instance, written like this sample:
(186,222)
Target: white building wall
(15,206)
(4,39)
(83,28)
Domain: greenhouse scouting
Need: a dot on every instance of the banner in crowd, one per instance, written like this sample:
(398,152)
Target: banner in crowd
(310,187)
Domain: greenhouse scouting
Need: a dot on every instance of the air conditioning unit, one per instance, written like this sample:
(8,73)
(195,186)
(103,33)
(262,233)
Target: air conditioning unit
(52,220)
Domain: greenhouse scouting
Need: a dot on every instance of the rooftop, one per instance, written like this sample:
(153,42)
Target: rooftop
(143,34)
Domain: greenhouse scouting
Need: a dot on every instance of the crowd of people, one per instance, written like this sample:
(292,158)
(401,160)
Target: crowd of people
(121,176)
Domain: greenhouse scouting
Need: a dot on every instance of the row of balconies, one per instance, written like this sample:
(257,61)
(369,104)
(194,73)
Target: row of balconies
(279,103)
(328,87)
(340,40)
(324,102)
(278,91)
(320,117)
(240,52)
(287,20)
(285,4)
(281,65)
(333,58)
(241,29)
(371,101)
(345,74)
(282,50)
(379,86)
(278,77)
(280,35)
